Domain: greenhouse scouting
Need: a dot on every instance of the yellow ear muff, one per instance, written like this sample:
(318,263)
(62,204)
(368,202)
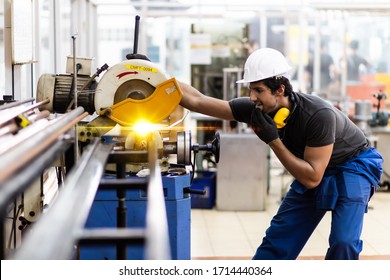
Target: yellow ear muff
(280,116)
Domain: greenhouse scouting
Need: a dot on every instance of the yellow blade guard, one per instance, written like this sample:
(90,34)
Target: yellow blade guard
(153,109)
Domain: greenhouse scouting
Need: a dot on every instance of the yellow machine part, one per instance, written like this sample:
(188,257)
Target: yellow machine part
(152,109)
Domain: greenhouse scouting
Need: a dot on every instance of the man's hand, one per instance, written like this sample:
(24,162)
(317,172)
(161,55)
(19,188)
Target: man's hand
(264,126)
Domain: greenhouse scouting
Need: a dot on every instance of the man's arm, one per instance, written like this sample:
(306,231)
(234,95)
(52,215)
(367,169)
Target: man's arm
(309,170)
(195,101)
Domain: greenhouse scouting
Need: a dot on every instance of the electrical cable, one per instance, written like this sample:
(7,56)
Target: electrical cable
(13,228)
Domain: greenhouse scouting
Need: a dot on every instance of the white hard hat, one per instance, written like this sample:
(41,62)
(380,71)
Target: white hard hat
(265,63)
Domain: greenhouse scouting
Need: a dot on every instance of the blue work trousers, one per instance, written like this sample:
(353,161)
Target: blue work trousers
(299,215)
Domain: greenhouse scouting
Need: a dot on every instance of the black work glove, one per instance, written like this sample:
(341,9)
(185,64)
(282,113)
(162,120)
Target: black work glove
(264,126)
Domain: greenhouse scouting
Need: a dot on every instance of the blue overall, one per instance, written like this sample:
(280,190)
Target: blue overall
(345,190)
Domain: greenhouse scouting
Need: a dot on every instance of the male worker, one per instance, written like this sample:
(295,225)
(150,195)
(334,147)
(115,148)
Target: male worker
(355,62)
(334,166)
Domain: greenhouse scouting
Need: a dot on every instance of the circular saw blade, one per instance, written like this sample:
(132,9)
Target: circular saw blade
(133,89)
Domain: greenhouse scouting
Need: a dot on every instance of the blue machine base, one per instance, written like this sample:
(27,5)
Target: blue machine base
(178,207)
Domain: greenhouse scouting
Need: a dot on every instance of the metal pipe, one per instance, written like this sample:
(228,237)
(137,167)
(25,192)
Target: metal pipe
(15,103)
(13,160)
(157,234)
(9,114)
(24,135)
(11,128)
(75,96)
(17,184)
(59,231)
(121,211)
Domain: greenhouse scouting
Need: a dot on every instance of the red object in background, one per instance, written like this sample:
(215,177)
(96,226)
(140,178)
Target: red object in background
(365,91)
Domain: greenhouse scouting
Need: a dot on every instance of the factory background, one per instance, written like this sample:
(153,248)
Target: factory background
(204,43)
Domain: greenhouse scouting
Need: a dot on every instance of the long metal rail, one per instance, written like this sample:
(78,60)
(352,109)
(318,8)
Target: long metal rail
(16,185)
(9,114)
(57,233)
(25,155)
(15,103)
(157,234)
(13,158)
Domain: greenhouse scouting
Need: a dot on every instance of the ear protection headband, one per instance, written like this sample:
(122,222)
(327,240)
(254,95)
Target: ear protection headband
(282,114)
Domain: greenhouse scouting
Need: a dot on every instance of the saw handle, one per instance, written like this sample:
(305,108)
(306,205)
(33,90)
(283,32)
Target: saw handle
(135,55)
(136,32)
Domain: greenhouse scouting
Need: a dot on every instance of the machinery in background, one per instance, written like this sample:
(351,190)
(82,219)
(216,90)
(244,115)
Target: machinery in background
(380,117)
(59,88)
(229,46)
(363,115)
(218,79)
(381,134)
(374,124)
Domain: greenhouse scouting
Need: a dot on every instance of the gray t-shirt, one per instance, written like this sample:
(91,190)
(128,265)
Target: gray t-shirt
(313,122)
